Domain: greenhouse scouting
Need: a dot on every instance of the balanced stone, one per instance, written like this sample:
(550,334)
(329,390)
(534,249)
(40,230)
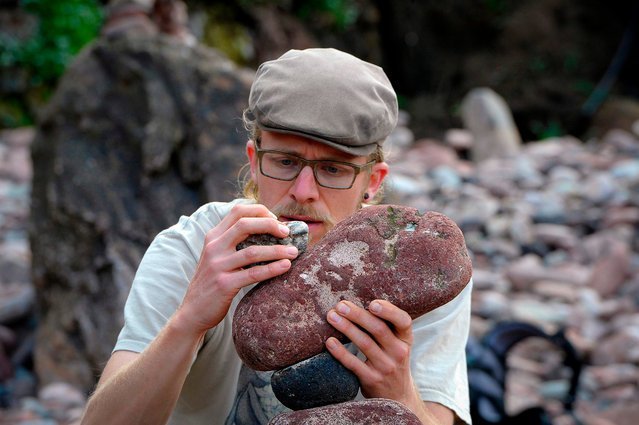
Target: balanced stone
(373,411)
(298,237)
(416,261)
(318,381)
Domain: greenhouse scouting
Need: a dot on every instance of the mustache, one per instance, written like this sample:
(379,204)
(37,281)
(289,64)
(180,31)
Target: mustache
(296,209)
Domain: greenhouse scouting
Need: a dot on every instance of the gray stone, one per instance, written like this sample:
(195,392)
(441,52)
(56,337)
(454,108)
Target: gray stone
(611,270)
(318,381)
(488,117)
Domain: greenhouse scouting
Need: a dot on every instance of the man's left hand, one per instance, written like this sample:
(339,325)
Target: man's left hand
(384,335)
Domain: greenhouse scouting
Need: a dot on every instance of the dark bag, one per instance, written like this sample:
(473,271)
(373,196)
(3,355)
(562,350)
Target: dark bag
(487,371)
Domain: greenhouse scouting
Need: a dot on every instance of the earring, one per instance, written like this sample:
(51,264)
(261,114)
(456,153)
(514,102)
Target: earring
(366,196)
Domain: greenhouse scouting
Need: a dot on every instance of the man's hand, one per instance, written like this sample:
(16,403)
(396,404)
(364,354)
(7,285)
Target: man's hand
(220,274)
(383,333)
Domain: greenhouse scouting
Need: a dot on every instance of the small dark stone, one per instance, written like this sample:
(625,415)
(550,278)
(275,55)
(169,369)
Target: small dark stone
(297,237)
(318,381)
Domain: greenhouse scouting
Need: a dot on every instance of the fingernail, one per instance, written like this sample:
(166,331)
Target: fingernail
(284,264)
(291,250)
(331,343)
(343,308)
(334,317)
(284,228)
(375,307)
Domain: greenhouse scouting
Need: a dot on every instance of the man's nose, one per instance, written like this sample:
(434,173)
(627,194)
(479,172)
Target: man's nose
(305,188)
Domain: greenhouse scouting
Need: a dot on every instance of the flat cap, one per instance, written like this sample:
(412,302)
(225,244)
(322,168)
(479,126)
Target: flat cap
(326,95)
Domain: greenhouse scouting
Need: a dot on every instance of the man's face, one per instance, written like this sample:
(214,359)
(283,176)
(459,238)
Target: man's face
(303,198)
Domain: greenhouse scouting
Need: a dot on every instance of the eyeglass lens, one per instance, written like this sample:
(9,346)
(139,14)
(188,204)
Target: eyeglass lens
(330,174)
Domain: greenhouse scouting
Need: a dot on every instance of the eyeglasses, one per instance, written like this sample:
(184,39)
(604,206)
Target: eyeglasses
(331,174)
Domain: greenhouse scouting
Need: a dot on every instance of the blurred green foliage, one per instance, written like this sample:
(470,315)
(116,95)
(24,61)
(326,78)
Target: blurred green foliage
(547,129)
(342,13)
(37,62)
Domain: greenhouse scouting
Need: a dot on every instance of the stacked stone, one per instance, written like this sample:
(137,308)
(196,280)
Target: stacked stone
(419,261)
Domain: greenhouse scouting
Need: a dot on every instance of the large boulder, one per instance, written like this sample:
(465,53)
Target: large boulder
(374,411)
(142,129)
(417,262)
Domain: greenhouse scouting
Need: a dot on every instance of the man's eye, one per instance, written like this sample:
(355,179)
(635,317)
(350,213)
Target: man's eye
(334,169)
(286,162)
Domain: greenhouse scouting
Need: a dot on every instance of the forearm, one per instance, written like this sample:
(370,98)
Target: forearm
(429,413)
(145,390)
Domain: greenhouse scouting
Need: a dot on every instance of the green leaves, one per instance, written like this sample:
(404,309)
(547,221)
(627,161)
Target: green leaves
(65,27)
(32,63)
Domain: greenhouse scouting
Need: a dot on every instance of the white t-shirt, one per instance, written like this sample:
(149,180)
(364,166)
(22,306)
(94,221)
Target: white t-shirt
(218,388)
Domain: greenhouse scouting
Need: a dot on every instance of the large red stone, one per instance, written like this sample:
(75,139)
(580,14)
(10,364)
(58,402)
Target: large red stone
(417,262)
(374,411)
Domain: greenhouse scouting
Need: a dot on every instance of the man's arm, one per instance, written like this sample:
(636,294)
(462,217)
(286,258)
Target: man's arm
(383,333)
(143,388)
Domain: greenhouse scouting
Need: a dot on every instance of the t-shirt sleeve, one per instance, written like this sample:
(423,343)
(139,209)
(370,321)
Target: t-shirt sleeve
(438,359)
(157,290)
(164,274)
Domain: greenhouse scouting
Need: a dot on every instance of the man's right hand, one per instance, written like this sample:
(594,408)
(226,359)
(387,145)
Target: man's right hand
(162,367)
(220,273)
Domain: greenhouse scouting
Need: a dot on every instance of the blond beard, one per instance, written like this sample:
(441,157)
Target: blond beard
(251,191)
(294,209)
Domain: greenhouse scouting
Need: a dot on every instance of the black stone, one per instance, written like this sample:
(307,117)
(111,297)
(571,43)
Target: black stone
(318,381)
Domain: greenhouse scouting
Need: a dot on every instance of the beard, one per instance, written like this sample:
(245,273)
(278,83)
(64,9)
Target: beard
(251,191)
(294,209)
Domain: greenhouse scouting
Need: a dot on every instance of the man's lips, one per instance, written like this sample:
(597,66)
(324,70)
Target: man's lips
(307,220)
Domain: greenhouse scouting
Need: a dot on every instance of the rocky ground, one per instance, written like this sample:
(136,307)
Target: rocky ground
(553,236)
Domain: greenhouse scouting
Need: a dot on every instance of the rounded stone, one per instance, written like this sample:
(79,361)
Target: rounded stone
(317,381)
(373,411)
(416,261)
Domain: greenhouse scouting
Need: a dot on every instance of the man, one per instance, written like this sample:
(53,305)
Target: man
(318,119)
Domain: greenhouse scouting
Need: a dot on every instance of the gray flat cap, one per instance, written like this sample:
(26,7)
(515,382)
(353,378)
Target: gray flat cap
(325,95)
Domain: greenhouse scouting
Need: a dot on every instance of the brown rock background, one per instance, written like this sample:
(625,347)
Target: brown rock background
(157,137)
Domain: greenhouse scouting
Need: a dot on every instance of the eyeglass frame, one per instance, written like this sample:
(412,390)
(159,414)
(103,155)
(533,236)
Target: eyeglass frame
(312,163)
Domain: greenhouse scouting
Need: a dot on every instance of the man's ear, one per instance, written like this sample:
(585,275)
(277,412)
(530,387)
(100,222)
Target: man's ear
(379,172)
(251,154)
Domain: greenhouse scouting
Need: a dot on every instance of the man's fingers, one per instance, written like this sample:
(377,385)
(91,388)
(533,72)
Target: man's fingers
(238,212)
(377,334)
(264,272)
(246,226)
(401,321)
(346,358)
(259,254)
(351,321)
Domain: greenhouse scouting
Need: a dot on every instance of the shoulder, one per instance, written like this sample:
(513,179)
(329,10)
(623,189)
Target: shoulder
(457,308)
(208,215)
(193,228)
